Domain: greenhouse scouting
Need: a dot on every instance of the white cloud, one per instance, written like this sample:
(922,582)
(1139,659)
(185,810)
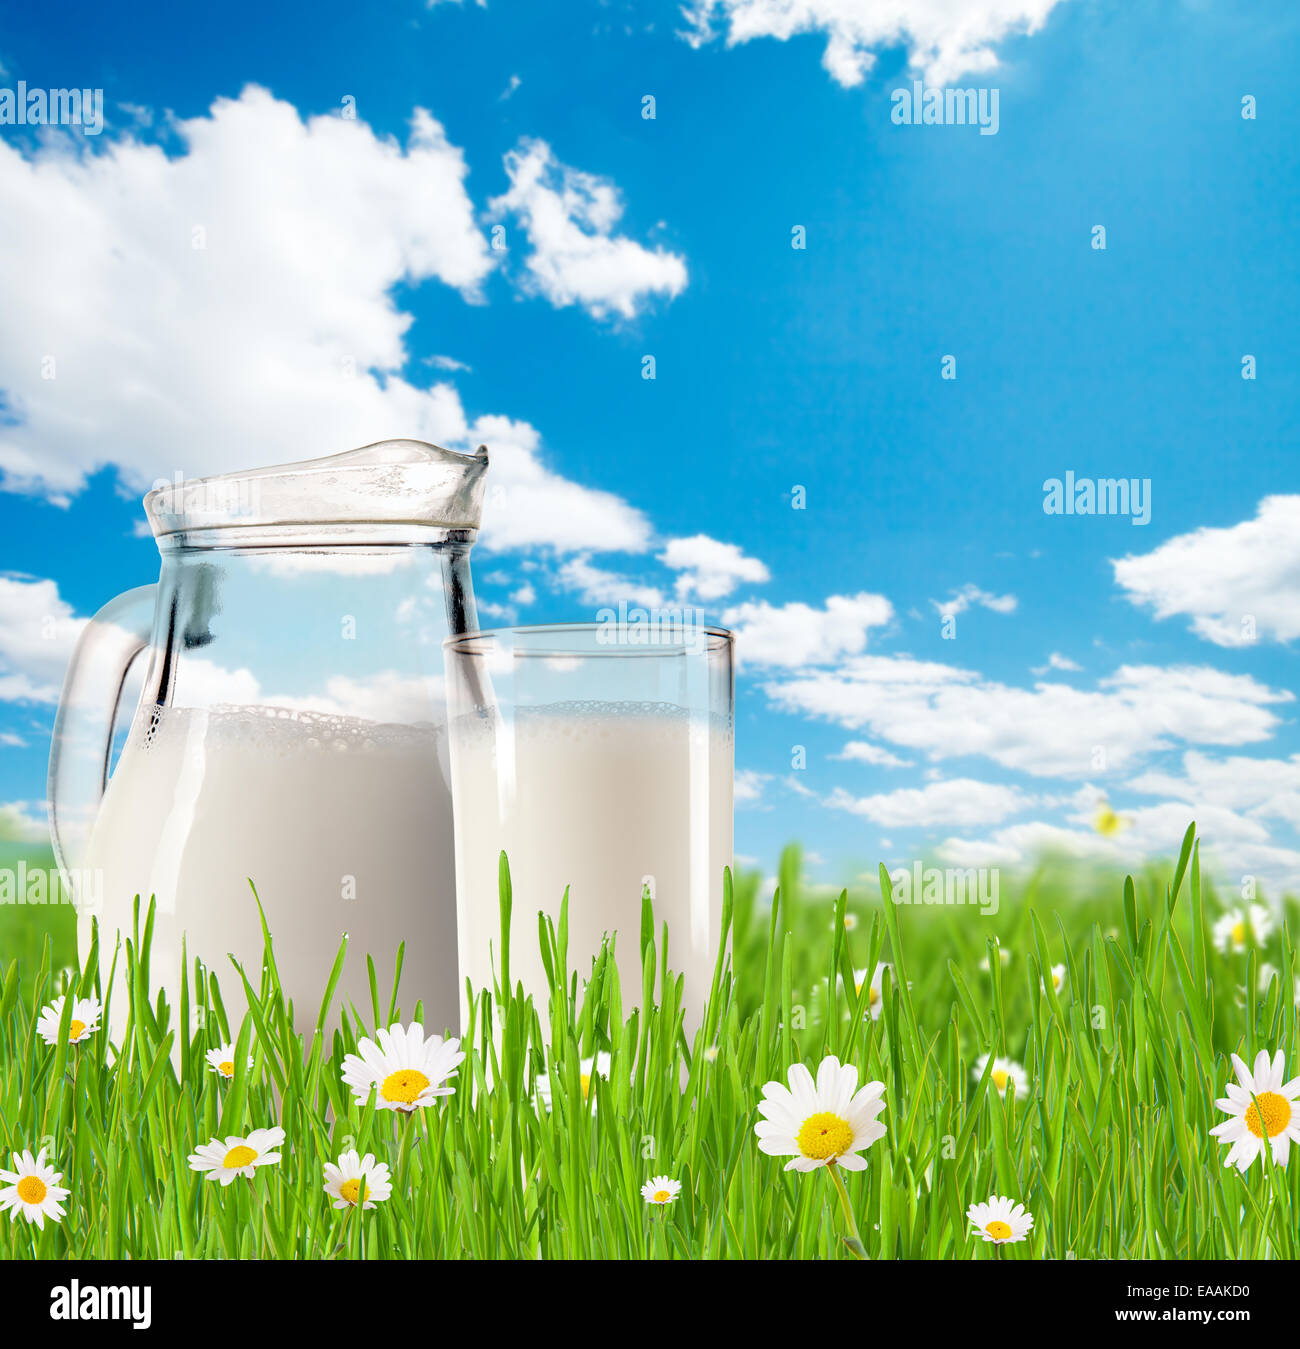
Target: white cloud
(709,568)
(796,634)
(528,506)
(877,755)
(173,357)
(19,825)
(386,696)
(749,786)
(525,595)
(944,38)
(1056,661)
(1223,579)
(1049,730)
(1232,844)
(202,682)
(38,630)
(1261,787)
(961,600)
(596,585)
(568,217)
(954,801)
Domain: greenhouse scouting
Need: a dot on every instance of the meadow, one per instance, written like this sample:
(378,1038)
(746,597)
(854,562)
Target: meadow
(1110,995)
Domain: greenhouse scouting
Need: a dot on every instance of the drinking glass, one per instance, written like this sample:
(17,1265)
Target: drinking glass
(600,758)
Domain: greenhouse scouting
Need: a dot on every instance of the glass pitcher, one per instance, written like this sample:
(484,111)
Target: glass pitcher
(291,730)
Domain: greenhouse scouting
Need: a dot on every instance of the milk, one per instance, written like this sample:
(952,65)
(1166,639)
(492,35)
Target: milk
(601,797)
(342,824)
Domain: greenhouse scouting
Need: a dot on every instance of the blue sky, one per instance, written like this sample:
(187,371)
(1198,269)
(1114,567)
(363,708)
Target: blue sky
(330,239)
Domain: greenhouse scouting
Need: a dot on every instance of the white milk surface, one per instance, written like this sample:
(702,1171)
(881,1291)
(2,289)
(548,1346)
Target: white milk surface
(343,825)
(597,796)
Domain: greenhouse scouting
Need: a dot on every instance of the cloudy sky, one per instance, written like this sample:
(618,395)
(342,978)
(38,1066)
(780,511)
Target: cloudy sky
(872,345)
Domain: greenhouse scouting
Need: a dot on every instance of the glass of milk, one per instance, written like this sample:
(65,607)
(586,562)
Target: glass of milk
(598,757)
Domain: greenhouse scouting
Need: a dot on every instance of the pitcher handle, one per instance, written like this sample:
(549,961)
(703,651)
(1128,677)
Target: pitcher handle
(82,746)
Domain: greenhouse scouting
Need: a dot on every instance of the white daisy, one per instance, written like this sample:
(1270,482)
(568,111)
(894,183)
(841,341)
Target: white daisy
(85,1020)
(407,1069)
(1238,928)
(587,1069)
(711,1053)
(874,1003)
(1004,959)
(822,1123)
(357,1180)
(1059,978)
(999,1221)
(237,1156)
(1275,1119)
(32,1189)
(661,1190)
(222,1060)
(1006,1073)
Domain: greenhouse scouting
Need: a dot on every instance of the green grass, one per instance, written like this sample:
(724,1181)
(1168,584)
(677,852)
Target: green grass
(1110,1151)
(24,927)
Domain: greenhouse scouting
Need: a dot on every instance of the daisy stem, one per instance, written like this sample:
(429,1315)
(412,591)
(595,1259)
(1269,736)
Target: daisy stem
(359,1212)
(853,1241)
(342,1246)
(408,1137)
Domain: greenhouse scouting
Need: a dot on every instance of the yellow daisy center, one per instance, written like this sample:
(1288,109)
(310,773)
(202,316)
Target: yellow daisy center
(31,1190)
(824,1135)
(226,1068)
(584,1081)
(75,1028)
(353,1191)
(241,1155)
(1275,1111)
(1239,934)
(404,1085)
(1056,981)
(662,1196)
(999,1076)
(998,1230)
